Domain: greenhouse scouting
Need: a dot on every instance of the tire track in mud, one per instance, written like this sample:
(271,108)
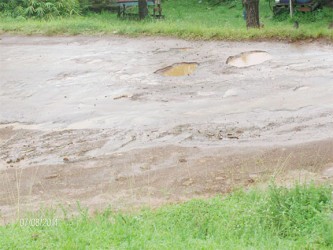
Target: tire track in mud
(46,147)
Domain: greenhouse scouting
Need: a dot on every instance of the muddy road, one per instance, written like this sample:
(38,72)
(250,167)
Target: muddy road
(105,121)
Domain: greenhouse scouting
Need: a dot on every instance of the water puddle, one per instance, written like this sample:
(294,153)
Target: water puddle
(178,69)
(247,59)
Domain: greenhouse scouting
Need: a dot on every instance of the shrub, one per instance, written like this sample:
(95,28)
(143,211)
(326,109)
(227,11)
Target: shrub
(45,9)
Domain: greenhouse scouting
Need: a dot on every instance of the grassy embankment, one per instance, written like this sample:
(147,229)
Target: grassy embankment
(278,218)
(185,19)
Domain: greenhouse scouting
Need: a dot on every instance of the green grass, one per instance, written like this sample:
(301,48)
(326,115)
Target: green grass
(277,218)
(184,19)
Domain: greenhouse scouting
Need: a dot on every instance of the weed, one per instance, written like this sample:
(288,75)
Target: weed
(277,218)
(39,8)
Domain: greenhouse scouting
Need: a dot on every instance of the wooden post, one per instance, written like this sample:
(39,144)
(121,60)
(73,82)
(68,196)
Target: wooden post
(291,7)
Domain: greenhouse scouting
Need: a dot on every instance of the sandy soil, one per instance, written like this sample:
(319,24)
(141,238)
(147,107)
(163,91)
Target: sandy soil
(87,119)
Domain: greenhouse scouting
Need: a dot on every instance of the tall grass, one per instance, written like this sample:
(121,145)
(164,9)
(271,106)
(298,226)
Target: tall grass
(278,218)
(42,9)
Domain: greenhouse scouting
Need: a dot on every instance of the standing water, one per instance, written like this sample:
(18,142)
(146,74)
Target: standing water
(178,69)
(247,59)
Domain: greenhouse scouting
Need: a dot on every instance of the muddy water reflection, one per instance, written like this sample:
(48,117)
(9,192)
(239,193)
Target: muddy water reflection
(247,59)
(178,69)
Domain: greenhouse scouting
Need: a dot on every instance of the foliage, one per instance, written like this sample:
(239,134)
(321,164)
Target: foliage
(85,5)
(222,2)
(277,218)
(185,19)
(307,17)
(40,8)
(315,16)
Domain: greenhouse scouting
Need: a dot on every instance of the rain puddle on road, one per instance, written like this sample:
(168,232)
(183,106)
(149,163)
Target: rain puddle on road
(247,59)
(178,69)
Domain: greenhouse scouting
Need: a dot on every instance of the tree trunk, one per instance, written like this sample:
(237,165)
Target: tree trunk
(143,9)
(252,13)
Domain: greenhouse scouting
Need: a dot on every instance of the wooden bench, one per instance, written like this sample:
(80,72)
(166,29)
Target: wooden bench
(124,5)
(302,7)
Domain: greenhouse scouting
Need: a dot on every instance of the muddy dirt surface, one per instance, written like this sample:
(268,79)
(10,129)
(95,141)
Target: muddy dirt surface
(87,119)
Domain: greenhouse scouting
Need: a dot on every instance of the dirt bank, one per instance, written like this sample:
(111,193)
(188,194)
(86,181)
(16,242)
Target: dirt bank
(87,119)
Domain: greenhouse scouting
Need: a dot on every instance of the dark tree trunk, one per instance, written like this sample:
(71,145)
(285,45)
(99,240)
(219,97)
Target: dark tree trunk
(143,9)
(252,13)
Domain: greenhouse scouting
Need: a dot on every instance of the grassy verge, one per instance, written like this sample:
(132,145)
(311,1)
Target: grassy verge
(278,218)
(185,19)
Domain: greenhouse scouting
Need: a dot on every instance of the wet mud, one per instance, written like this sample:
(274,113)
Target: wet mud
(88,119)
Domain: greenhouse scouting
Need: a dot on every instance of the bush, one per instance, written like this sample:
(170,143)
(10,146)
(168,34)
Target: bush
(44,9)
(298,211)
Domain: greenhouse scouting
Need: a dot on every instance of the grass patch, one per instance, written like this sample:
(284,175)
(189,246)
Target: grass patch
(185,19)
(278,218)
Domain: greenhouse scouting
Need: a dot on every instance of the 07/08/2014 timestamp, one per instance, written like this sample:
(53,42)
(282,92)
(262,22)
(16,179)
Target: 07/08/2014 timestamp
(38,222)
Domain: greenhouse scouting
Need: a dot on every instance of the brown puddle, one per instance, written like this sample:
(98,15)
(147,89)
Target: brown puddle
(178,69)
(247,59)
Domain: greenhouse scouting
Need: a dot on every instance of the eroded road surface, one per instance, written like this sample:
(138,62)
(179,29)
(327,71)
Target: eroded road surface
(109,121)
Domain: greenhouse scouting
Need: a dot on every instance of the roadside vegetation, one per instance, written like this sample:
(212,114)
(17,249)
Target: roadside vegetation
(192,19)
(277,218)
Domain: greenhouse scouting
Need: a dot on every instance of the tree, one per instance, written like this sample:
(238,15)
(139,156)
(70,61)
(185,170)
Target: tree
(143,9)
(252,13)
